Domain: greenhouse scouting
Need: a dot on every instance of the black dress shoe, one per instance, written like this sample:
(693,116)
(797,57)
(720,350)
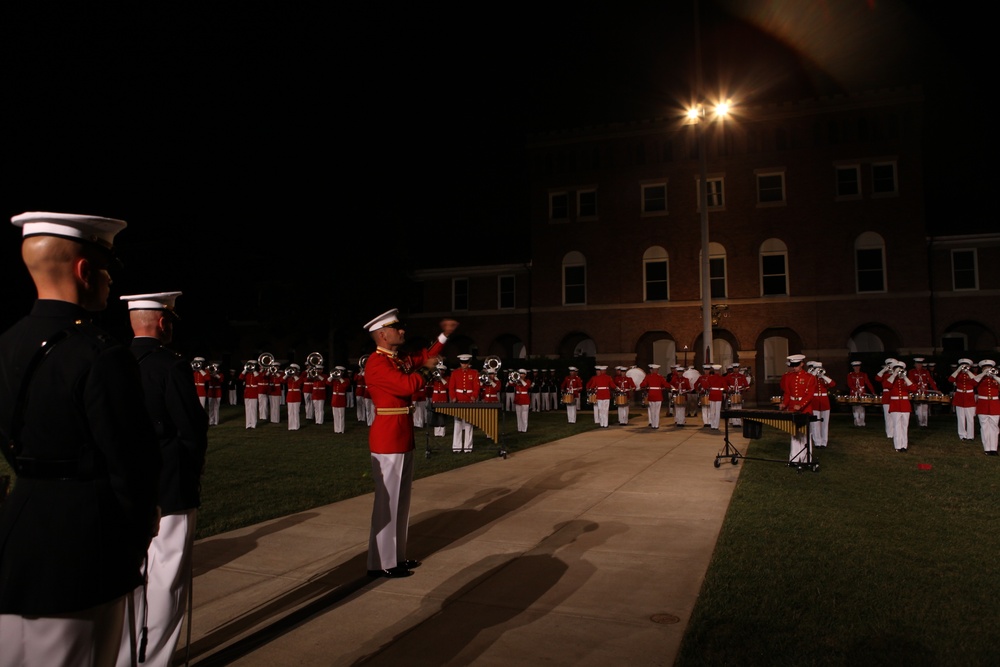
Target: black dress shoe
(391,573)
(408,564)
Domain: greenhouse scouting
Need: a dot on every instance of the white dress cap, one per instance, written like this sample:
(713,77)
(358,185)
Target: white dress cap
(654,366)
(388,318)
(464,357)
(796,358)
(573,368)
(153,301)
(83,228)
(717,367)
(601,368)
(987,362)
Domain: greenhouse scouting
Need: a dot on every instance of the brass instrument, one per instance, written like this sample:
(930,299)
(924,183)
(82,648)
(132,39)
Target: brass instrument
(515,376)
(250,365)
(314,359)
(213,368)
(197,363)
(265,360)
(490,363)
(361,363)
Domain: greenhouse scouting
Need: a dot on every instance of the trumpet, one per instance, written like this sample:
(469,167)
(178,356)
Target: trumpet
(250,365)
(515,376)
(991,371)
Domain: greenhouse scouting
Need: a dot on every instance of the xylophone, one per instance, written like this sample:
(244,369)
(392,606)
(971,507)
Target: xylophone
(484,416)
(793,423)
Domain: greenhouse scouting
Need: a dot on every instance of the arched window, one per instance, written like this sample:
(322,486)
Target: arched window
(773,268)
(775,357)
(656,286)
(574,279)
(716,270)
(869,254)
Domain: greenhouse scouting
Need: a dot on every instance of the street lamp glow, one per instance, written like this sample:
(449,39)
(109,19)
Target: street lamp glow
(695,114)
(722,109)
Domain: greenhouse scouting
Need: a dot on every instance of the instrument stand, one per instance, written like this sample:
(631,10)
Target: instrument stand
(729,451)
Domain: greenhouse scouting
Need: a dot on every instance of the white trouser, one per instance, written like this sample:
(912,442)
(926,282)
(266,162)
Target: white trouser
(888,420)
(714,410)
(921,410)
(988,431)
(536,402)
(859,414)
(309,405)
(275,408)
(653,410)
(521,411)
(232,397)
(706,414)
(213,411)
(900,429)
(461,436)
(966,422)
(250,406)
(419,414)
(339,418)
(393,477)
(820,430)
(262,405)
(571,413)
(601,411)
(318,410)
(88,638)
(167,590)
(369,411)
(623,414)
(294,415)
(680,411)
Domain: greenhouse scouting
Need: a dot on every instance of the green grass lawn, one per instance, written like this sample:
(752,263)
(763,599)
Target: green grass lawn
(869,561)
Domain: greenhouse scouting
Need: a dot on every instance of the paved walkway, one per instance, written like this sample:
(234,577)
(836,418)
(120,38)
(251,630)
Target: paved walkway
(586,551)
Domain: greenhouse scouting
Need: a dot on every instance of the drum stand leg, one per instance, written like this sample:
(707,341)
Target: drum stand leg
(728,451)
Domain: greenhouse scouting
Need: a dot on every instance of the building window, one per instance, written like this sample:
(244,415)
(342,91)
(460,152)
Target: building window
(848,182)
(771,188)
(869,252)
(773,268)
(460,294)
(883,179)
(654,199)
(558,206)
(964,270)
(505,292)
(586,204)
(574,279)
(716,270)
(716,193)
(656,275)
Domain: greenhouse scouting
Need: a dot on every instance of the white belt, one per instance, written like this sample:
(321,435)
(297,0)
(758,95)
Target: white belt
(987,398)
(463,391)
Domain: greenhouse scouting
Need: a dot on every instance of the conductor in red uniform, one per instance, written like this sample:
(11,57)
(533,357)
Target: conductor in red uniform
(391,382)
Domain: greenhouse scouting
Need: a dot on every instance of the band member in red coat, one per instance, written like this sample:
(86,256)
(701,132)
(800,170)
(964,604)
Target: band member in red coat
(319,385)
(572,385)
(859,386)
(274,392)
(200,380)
(821,405)
(714,386)
(391,381)
(924,381)
(964,399)
(338,384)
(251,392)
(600,386)
(293,396)
(655,385)
(737,384)
(213,393)
(900,387)
(798,387)
(879,377)
(439,394)
(624,390)
(682,387)
(521,386)
(988,405)
(463,387)
(490,390)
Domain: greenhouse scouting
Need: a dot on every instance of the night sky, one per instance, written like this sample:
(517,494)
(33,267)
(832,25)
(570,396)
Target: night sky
(347,145)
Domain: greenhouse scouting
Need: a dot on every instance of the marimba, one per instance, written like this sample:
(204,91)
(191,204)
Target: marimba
(793,423)
(484,416)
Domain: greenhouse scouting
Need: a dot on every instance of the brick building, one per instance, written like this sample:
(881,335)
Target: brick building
(819,244)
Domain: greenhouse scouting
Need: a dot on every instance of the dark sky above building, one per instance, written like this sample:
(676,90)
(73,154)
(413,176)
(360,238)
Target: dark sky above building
(346,139)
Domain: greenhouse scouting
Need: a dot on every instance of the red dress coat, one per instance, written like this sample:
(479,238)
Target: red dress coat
(603,384)
(899,394)
(988,396)
(799,388)
(390,385)
(656,384)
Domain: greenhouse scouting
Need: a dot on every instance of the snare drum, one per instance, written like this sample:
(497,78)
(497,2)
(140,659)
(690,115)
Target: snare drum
(680,399)
(621,399)
(704,401)
(569,398)
(736,399)
(776,400)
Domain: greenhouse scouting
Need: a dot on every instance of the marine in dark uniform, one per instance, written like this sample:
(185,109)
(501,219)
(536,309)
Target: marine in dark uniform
(75,528)
(182,428)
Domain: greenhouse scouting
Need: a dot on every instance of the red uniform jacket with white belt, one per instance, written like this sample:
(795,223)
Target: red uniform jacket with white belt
(391,386)
(859,384)
(338,392)
(293,389)
(463,385)
(899,394)
(821,399)
(714,384)
(988,396)
(522,391)
(656,384)
(603,384)
(249,384)
(965,389)
(798,388)
(201,383)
